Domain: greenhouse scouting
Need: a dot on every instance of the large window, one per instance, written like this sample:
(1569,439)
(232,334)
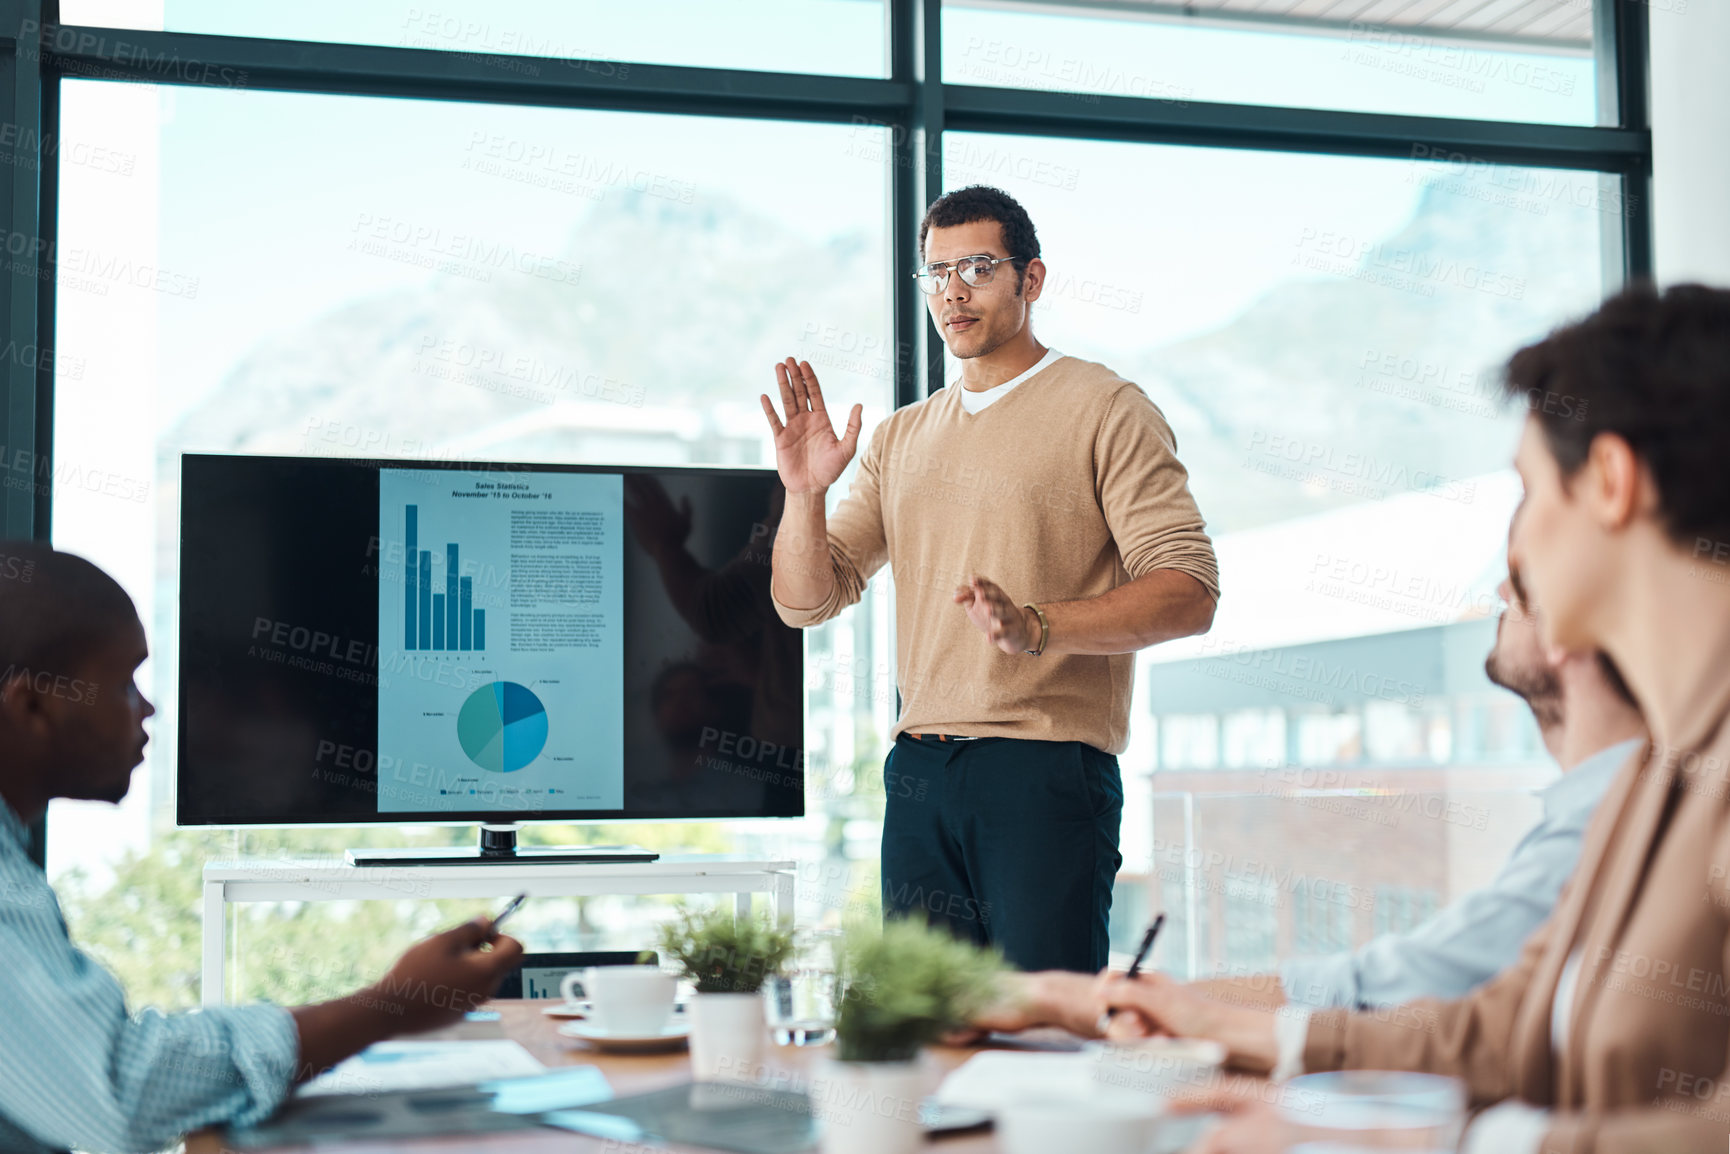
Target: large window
(500,284)
(1324,335)
(1528,60)
(843,37)
(586,231)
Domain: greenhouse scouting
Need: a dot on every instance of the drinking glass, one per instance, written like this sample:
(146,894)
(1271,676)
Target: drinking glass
(1374,1110)
(801,1003)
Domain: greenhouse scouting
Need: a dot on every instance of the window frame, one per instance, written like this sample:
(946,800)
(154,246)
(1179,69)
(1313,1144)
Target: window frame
(913,103)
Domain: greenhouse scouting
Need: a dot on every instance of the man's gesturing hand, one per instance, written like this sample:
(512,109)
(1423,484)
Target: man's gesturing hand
(433,984)
(444,977)
(1004,623)
(808,455)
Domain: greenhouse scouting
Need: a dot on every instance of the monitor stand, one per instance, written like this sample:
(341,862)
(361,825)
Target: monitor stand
(498,846)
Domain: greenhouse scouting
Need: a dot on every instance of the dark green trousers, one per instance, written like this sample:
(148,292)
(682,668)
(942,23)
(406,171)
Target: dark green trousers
(1007,842)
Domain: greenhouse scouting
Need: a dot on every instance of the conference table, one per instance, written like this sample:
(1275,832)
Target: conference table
(523,1022)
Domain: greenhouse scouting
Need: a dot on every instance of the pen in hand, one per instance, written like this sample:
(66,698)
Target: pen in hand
(511,908)
(1141,956)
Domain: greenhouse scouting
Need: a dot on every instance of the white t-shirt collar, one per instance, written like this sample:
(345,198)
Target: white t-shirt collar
(974,402)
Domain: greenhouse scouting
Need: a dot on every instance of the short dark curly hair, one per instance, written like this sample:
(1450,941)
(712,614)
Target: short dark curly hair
(1653,368)
(982,202)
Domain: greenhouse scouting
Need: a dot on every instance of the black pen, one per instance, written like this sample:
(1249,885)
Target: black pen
(1135,965)
(1146,946)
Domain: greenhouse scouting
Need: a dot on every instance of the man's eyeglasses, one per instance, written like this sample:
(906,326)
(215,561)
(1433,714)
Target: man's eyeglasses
(974,270)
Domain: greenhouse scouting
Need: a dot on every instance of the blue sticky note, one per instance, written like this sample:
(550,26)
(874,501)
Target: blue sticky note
(561,1089)
(595,1125)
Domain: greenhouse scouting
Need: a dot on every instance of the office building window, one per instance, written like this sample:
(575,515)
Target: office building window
(1189,741)
(1188,918)
(1396,732)
(1251,925)
(1330,738)
(1254,737)
(1322,917)
(1399,908)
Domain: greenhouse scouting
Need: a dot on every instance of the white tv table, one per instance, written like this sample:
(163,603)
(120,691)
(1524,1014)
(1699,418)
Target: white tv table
(334,880)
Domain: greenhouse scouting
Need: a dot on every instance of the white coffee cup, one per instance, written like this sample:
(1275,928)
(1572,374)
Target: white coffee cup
(625,999)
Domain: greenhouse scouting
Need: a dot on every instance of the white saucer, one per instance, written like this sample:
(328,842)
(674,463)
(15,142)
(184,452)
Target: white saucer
(586,1008)
(670,1036)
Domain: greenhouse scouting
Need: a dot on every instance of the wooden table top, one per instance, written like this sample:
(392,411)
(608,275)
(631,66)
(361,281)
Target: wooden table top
(523,1022)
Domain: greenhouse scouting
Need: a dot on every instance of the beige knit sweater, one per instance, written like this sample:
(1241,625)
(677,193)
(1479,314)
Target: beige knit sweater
(1063,489)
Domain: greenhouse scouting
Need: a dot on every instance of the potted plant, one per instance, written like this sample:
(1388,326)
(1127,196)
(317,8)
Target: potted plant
(728,959)
(905,987)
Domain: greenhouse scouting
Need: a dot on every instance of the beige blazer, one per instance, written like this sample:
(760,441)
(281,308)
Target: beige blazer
(1644,1063)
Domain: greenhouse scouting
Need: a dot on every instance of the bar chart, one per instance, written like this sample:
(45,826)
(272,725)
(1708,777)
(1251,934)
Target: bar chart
(444,622)
(502,626)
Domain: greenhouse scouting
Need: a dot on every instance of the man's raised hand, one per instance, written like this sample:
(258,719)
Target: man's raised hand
(808,454)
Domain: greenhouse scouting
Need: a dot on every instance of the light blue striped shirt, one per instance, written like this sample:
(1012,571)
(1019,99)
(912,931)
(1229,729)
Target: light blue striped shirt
(1479,936)
(76,1071)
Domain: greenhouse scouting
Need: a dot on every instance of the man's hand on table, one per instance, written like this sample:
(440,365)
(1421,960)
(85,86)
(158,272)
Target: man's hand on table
(433,984)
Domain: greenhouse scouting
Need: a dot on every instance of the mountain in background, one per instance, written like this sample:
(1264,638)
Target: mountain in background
(1298,371)
(674,309)
(679,313)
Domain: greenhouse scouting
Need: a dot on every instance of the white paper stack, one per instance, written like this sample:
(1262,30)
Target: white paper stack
(390,1066)
(993,1079)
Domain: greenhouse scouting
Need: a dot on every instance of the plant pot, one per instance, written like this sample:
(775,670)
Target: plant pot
(727,1033)
(869,1107)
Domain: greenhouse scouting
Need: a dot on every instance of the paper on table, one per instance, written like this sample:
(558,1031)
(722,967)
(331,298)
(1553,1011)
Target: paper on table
(993,1079)
(563,1088)
(388,1066)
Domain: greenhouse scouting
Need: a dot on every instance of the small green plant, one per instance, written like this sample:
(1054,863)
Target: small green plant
(723,954)
(907,985)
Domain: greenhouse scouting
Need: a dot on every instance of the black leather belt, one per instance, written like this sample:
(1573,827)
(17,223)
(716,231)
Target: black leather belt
(940,737)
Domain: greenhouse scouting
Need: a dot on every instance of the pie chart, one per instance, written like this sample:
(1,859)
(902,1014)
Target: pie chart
(502,727)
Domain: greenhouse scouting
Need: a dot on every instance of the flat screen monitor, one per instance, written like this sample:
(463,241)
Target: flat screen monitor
(426,641)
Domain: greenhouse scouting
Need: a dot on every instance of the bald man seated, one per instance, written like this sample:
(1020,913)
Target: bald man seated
(77,1070)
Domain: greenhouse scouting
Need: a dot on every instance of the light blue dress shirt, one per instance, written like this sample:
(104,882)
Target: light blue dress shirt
(1479,936)
(76,1071)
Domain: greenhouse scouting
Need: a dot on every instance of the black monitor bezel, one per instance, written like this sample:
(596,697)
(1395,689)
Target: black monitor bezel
(443,817)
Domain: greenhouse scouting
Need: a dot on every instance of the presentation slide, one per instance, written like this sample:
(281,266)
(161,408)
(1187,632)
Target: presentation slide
(501,636)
